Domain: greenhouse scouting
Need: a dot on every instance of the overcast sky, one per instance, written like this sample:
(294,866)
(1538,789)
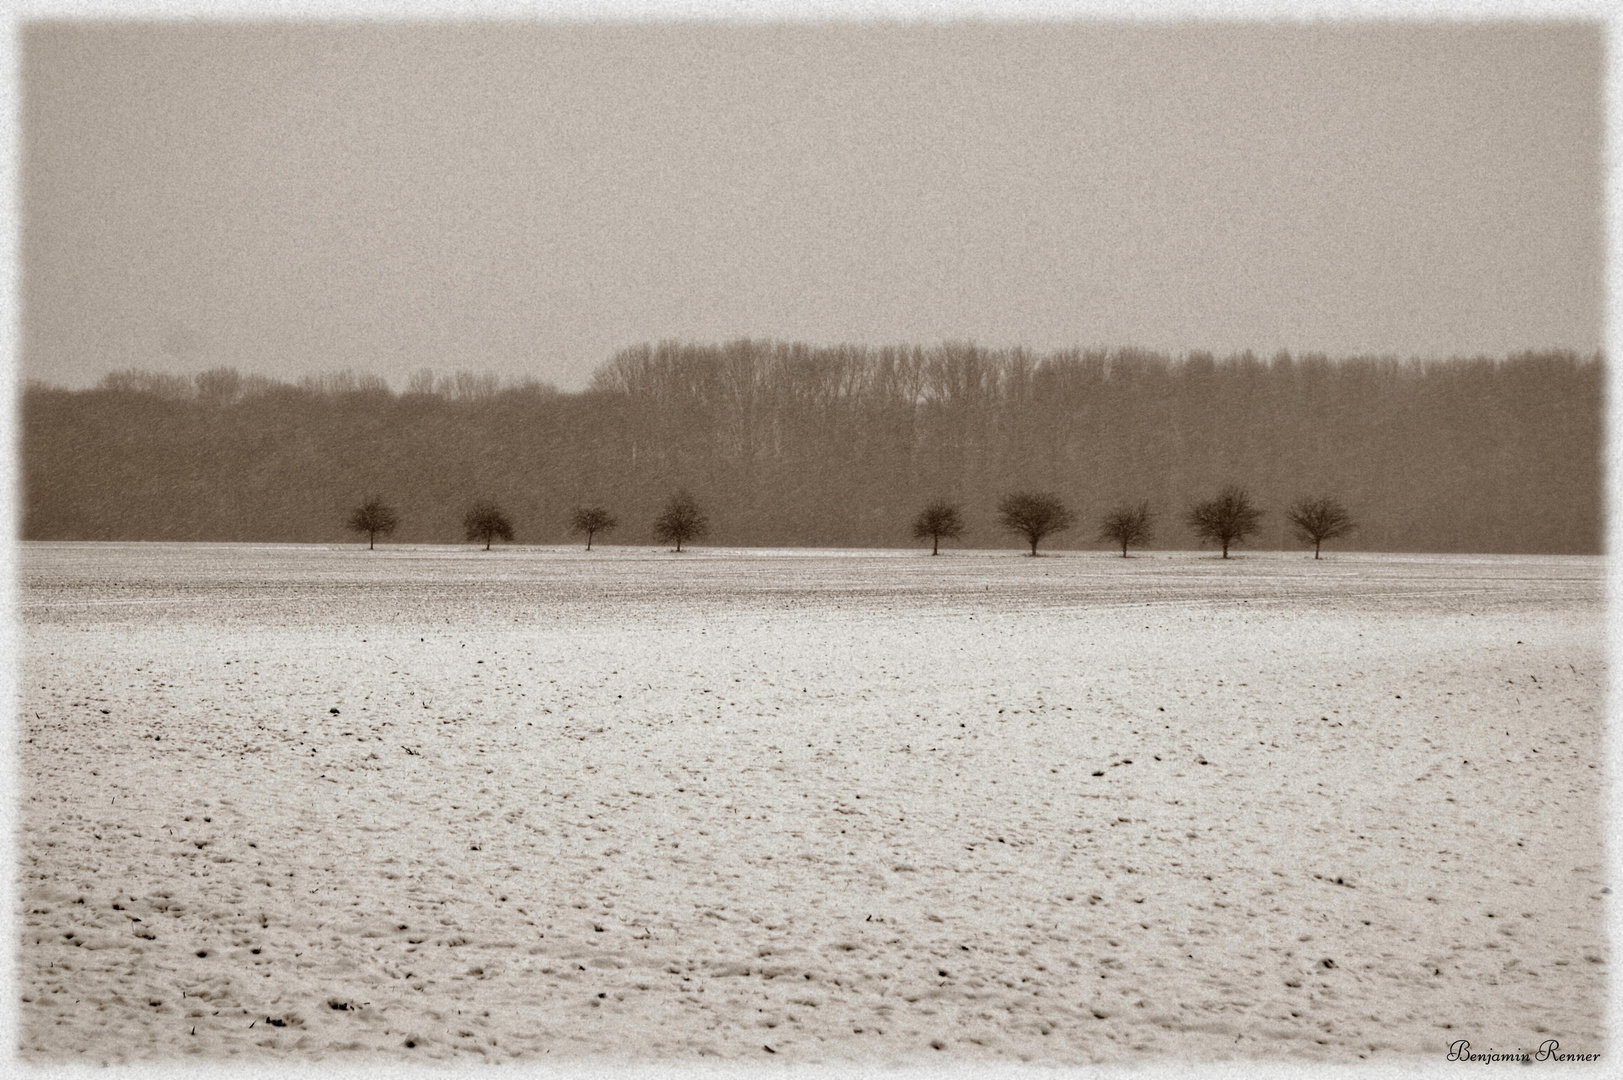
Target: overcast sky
(528,199)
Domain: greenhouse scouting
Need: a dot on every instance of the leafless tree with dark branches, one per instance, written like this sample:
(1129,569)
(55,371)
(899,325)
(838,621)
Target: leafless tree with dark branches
(486,522)
(1129,526)
(1033,515)
(374,519)
(937,522)
(1318,520)
(682,519)
(1227,519)
(591,520)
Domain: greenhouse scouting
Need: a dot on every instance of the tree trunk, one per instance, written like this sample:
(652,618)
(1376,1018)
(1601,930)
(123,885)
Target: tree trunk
(935,545)
(1124,549)
(1225,549)
(1316,544)
(371,541)
(1034,549)
(588,541)
(488,539)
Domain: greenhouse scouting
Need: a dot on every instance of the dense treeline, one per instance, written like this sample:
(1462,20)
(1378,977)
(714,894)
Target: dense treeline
(789,444)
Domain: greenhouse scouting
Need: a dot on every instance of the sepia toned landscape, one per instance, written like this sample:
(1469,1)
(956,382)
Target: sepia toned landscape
(678,538)
(294,802)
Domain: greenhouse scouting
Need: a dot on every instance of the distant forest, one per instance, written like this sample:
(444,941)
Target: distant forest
(787,444)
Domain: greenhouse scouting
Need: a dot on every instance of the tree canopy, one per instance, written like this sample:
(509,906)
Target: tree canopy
(1129,526)
(591,520)
(1227,519)
(485,521)
(681,520)
(1318,520)
(938,521)
(1033,515)
(374,519)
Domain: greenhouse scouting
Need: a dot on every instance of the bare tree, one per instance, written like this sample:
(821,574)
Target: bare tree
(1033,515)
(374,519)
(1318,520)
(486,522)
(681,520)
(1129,526)
(938,521)
(591,520)
(1227,519)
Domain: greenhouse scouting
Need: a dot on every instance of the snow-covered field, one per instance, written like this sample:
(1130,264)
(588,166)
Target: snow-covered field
(427,803)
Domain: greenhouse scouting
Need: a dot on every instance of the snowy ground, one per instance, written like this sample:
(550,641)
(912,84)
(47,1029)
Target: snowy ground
(427,803)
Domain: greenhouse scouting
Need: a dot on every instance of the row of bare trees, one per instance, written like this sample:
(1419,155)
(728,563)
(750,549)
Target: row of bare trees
(1225,520)
(681,520)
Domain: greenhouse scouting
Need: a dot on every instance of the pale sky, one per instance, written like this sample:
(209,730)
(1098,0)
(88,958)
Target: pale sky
(527,199)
